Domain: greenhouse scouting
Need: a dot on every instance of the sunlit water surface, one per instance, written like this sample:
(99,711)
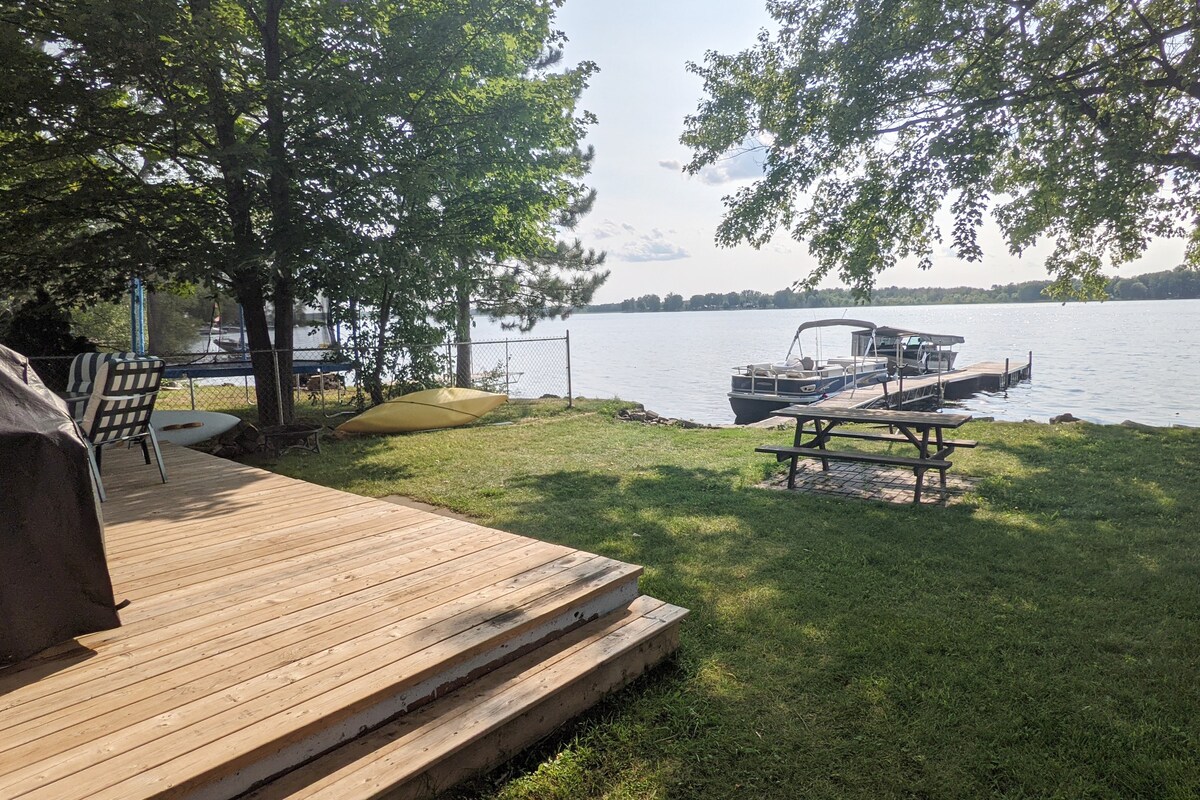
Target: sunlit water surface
(1103,362)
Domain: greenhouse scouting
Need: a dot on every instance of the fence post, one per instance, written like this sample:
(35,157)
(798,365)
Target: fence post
(278,385)
(192,391)
(507,373)
(570,393)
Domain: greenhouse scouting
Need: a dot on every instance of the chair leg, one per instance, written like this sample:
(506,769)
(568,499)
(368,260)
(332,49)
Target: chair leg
(94,464)
(145,450)
(162,468)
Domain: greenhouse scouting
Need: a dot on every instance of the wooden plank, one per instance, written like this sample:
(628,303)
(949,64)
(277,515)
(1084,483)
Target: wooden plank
(170,681)
(264,575)
(159,527)
(183,567)
(461,729)
(884,437)
(854,455)
(877,415)
(268,612)
(345,673)
(152,570)
(168,652)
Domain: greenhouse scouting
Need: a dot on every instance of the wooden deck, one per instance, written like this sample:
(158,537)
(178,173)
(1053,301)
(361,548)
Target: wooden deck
(271,621)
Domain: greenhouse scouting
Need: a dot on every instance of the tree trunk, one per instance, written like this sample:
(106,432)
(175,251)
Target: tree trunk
(267,390)
(279,200)
(462,332)
(375,380)
(245,257)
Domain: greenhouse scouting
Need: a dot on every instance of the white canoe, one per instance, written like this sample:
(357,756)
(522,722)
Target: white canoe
(190,427)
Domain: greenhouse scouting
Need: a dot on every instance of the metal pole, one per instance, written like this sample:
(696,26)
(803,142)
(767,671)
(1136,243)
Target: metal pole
(278,385)
(192,391)
(137,316)
(570,392)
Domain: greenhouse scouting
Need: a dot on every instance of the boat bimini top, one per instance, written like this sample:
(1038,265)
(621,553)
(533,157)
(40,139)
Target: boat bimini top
(940,339)
(830,323)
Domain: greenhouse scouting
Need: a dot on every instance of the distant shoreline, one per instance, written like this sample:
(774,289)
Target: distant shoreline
(1177,284)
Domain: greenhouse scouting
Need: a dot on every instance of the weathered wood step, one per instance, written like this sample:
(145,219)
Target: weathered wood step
(484,723)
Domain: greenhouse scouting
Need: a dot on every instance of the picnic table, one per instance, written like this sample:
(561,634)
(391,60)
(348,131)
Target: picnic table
(924,430)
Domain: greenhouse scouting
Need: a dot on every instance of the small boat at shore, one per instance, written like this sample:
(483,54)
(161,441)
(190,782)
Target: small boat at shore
(426,410)
(756,390)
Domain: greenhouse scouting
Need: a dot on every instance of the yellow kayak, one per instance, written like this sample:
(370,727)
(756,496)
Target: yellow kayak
(423,411)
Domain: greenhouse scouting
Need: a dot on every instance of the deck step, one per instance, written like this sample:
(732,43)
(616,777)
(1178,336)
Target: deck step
(274,706)
(482,724)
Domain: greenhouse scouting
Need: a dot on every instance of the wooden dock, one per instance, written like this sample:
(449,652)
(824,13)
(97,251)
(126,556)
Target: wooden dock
(918,391)
(288,640)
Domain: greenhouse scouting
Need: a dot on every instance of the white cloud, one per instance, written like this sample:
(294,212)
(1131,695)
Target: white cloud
(744,162)
(739,165)
(606,230)
(653,246)
(626,243)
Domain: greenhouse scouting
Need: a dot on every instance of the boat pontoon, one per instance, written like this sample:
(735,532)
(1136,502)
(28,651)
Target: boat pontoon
(759,389)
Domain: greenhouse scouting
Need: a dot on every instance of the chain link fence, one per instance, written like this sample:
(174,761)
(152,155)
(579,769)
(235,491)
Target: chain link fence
(327,382)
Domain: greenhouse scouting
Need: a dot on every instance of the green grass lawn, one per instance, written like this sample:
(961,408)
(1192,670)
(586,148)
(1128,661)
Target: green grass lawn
(1040,640)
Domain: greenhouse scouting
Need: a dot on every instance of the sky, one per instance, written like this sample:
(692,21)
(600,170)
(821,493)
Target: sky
(657,224)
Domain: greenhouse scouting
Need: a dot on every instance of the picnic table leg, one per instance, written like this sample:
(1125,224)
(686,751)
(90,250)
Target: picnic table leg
(822,436)
(920,472)
(795,459)
(941,445)
(923,448)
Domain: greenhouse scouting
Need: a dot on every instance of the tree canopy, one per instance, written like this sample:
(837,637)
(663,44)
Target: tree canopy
(278,149)
(1077,121)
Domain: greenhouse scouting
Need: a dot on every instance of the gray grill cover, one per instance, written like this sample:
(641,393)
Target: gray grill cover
(54,581)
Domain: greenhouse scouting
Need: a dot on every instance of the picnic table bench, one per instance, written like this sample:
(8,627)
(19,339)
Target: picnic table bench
(913,427)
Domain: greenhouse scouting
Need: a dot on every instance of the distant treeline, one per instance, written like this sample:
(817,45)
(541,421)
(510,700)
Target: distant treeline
(1179,283)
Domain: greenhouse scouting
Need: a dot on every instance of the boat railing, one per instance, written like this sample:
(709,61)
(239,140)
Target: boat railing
(789,373)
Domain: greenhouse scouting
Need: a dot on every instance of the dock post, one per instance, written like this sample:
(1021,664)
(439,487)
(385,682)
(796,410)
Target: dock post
(1029,373)
(1006,377)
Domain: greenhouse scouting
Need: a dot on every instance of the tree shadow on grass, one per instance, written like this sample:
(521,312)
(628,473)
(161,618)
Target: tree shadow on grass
(1031,643)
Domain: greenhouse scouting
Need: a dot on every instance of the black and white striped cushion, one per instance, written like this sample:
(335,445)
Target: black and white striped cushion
(85,366)
(122,399)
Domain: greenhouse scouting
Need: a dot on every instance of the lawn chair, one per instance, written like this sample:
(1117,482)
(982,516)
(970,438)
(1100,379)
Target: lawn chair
(83,374)
(119,409)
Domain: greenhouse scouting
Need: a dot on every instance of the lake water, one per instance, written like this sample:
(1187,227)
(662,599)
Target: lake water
(1103,362)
